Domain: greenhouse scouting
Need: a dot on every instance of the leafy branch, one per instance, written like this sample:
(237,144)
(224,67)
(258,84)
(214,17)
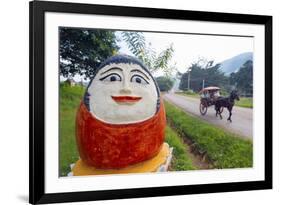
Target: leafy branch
(137,45)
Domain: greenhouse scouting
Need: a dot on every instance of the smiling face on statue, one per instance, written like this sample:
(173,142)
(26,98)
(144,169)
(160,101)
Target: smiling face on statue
(122,93)
(121,119)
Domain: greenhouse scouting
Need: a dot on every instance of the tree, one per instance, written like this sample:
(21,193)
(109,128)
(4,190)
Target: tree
(83,50)
(162,60)
(215,77)
(165,83)
(137,45)
(135,42)
(184,81)
(203,71)
(198,74)
(243,79)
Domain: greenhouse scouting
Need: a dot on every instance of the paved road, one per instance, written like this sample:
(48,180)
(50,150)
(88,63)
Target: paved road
(242,118)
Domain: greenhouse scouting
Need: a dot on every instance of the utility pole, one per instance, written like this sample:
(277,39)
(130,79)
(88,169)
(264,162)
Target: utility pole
(188,81)
(203,84)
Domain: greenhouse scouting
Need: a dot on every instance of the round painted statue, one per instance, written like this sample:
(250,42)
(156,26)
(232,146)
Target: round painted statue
(120,124)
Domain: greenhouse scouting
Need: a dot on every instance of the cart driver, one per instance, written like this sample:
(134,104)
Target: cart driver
(205,94)
(217,94)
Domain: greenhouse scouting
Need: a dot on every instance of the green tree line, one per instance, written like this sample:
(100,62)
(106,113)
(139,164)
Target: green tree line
(199,76)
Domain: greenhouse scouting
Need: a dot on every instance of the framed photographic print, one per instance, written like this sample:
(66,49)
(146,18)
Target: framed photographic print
(141,102)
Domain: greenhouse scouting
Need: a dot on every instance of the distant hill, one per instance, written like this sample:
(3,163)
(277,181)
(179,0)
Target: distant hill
(233,64)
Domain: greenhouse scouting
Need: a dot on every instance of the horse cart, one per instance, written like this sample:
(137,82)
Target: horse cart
(208,97)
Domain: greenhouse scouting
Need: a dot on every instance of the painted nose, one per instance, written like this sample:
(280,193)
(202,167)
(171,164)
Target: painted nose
(126,88)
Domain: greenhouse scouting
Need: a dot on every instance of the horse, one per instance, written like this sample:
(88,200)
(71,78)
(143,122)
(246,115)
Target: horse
(227,102)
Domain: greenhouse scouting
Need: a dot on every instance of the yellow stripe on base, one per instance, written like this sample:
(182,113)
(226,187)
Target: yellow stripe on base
(80,168)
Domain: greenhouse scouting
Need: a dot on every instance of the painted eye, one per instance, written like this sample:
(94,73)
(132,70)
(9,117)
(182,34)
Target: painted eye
(138,79)
(111,77)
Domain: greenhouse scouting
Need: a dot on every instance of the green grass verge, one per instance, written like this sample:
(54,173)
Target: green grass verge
(181,160)
(244,102)
(225,149)
(189,94)
(70,98)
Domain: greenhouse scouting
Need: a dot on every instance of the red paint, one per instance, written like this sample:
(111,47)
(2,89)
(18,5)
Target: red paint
(105,145)
(126,99)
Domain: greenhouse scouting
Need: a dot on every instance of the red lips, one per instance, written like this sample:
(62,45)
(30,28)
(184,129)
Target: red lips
(126,99)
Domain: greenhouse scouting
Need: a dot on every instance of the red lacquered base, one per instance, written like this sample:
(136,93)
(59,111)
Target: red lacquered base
(108,146)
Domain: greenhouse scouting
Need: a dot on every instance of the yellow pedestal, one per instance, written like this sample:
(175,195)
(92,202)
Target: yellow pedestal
(151,165)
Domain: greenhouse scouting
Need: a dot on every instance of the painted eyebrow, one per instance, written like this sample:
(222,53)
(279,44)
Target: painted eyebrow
(114,68)
(136,70)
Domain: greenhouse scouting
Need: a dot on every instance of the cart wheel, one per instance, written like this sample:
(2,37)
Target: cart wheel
(221,110)
(203,108)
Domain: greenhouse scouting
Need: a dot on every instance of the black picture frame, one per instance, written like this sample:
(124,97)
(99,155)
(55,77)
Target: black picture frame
(37,10)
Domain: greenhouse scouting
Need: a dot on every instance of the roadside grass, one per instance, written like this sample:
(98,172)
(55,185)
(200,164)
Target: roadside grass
(70,97)
(225,149)
(181,160)
(189,94)
(243,102)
